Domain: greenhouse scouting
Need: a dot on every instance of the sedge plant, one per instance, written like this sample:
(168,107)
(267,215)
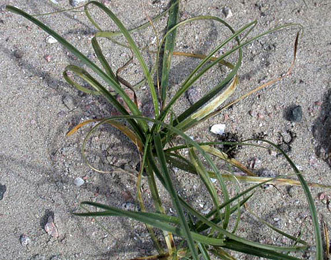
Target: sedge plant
(190,233)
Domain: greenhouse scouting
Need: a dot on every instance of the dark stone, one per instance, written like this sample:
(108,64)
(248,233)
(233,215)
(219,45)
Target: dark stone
(18,54)
(294,114)
(230,149)
(3,189)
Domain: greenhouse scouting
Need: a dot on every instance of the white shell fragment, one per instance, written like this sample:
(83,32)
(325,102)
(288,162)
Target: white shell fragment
(227,12)
(25,240)
(79,181)
(213,180)
(218,129)
(50,39)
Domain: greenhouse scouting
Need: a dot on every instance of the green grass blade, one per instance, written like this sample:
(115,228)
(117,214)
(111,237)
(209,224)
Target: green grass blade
(169,48)
(82,74)
(201,170)
(102,59)
(135,50)
(142,204)
(173,194)
(204,251)
(269,254)
(206,110)
(158,217)
(219,252)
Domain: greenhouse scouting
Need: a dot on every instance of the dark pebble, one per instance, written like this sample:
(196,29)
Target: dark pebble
(18,54)
(3,189)
(295,114)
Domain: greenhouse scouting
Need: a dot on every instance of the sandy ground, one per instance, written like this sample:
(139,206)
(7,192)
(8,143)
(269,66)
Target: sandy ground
(38,164)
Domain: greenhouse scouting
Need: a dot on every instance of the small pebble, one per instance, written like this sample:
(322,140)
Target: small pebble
(69,102)
(79,181)
(24,240)
(321,196)
(106,2)
(260,116)
(3,189)
(252,113)
(50,228)
(273,153)
(48,58)
(130,206)
(218,129)
(54,2)
(290,191)
(295,114)
(227,12)
(18,54)
(193,95)
(50,39)
(75,3)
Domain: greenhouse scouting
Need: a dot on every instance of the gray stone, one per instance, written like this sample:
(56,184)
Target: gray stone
(295,114)
(193,95)
(69,102)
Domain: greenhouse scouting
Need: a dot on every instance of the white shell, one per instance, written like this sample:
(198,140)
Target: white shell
(218,129)
(50,39)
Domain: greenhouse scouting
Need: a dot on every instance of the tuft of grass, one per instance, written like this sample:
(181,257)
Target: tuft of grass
(205,234)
